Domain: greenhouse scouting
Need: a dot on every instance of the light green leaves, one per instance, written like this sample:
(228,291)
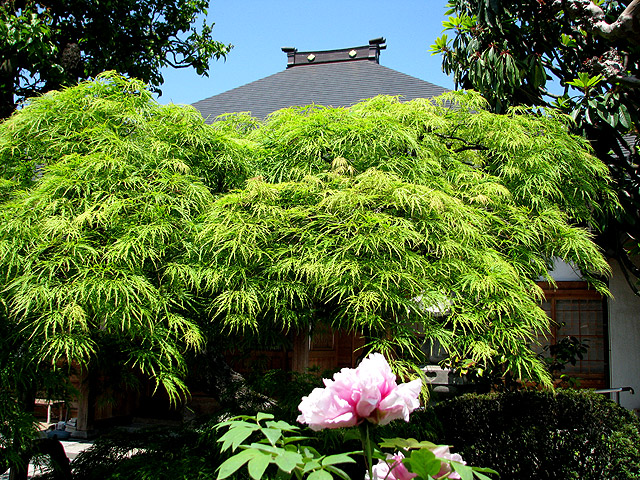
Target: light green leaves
(459,22)
(232,464)
(288,460)
(336,459)
(451,204)
(405,444)
(93,245)
(235,436)
(441,45)
(258,464)
(568,41)
(585,82)
(320,475)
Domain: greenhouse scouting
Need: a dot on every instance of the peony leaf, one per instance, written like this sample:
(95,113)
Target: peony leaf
(484,470)
(287,440)
(405,443)
(235,436)
(232,464)
(339,458)
(264,416)
(267,448)
(320,475)
(465,472)
(423,462)
(282,425)
(272,434)
(287,461)
(481,476)
(258,464)
(338,472)
(311,465)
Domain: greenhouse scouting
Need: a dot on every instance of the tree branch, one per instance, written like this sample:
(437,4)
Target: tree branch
(470,147)
(467,146)
(593,19)
(629,80)
(547,93)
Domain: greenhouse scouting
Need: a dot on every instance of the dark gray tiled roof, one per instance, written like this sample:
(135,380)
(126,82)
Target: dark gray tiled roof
(330,84)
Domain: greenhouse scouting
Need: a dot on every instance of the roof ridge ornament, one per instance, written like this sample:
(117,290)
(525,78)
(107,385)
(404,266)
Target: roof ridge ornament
(369,52)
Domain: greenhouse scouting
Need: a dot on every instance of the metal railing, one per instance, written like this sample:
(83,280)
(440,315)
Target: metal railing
(614,393)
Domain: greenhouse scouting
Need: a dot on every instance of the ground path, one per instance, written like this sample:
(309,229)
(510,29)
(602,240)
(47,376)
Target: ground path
(71,447)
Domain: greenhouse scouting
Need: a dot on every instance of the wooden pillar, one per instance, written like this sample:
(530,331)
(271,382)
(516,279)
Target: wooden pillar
(85,406)
(300,361)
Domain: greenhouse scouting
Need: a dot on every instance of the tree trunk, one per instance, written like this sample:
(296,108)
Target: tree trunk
(230,388)
(6,109)
(7,103)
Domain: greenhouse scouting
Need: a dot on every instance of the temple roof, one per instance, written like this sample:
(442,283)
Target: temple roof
(336,78)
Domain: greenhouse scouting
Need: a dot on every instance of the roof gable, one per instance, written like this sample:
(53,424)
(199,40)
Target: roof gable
(329,84)
(328,79)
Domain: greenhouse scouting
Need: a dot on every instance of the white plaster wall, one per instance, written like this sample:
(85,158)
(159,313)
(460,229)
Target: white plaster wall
(564,272)
(624,338)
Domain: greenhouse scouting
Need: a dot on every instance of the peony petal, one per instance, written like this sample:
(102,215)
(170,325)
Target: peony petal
(376,369)
(368,398)
(400,402)
(368,392)
(324,409)
(440,451)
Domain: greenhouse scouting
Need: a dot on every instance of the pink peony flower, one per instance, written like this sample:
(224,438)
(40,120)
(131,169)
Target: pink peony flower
(392,469)
(368,392)
(442,451)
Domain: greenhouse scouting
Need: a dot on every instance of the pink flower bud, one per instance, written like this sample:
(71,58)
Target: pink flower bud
(392,469)
(442,451)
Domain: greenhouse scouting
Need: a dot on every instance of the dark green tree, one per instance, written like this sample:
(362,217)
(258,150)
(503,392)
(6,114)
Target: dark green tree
(514,52)
(45,45)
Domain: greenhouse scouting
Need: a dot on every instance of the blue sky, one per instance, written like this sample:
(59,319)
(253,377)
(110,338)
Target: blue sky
(258,30)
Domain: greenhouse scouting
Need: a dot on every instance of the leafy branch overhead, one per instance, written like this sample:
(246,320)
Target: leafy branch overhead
(404,217)
(580,56)
(134,226)
(48,45)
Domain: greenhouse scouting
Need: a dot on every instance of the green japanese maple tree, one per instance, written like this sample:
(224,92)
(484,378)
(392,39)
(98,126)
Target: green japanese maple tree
(129,228)
(406,221)
(101,187)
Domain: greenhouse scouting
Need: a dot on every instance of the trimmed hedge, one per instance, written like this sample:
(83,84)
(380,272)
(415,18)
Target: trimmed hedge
(543,435)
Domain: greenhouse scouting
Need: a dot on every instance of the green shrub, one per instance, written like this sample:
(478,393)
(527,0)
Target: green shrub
(423,425)
(523,435)
(543,435)
(150,454)
(286,388)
